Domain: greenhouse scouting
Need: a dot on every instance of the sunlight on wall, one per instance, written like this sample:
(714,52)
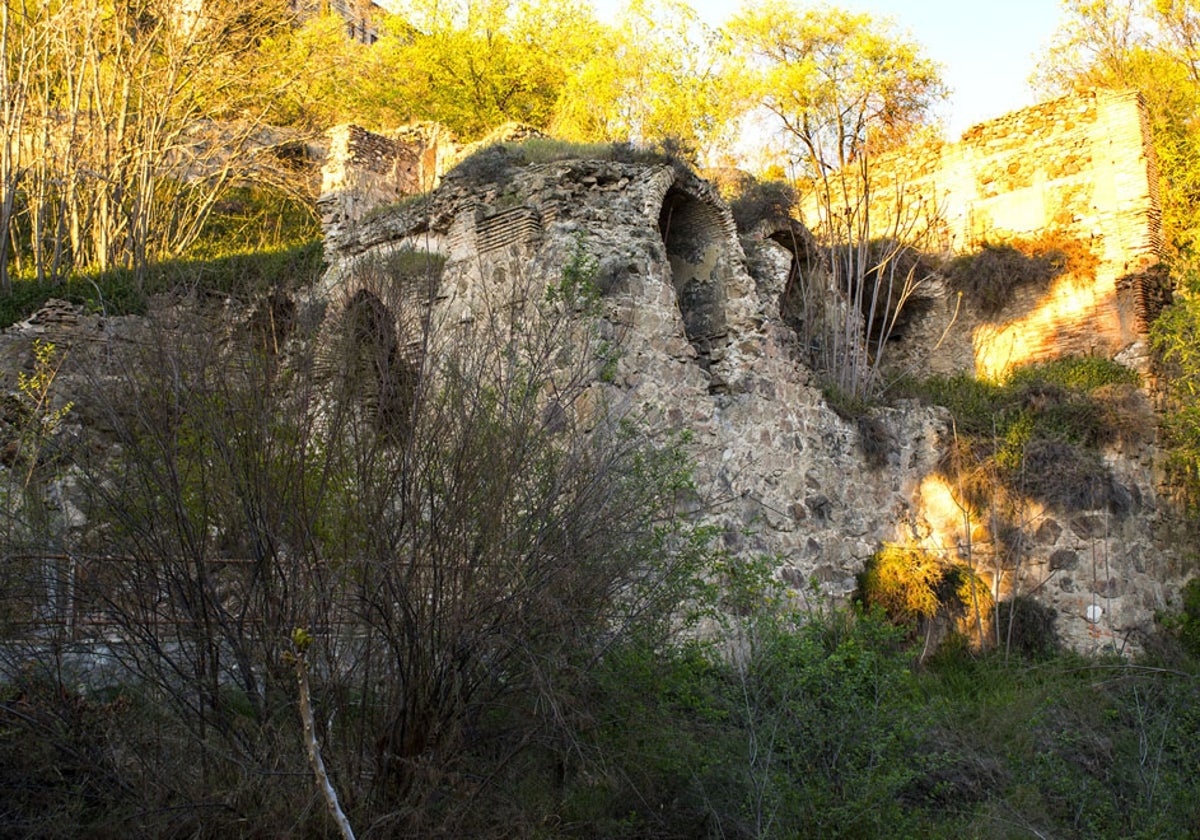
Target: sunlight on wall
(1083,314)
(947,519)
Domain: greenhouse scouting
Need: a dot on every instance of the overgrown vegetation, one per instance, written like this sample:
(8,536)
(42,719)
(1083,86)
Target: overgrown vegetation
(761,200)
(491,606)
(494,163)
(1176,338)
(1038,434)
(930,594)
(989,277)
(255,239)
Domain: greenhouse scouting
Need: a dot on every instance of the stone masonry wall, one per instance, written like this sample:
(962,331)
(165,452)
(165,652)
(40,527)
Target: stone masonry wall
(704,350)
(1080,167)
(705,347)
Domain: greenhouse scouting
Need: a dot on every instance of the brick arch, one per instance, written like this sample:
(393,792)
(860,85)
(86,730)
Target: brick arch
(697,243)
(374,363)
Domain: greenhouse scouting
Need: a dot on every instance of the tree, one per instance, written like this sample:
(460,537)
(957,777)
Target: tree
(841,88)
(455,522)
(658,75)
(839,84)
(474,65)
(111,158)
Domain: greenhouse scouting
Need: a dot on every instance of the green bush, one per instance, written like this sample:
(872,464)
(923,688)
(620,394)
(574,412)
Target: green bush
(1176,339)
(1028,627)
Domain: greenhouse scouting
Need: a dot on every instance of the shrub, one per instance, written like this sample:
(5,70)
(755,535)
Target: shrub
(463,554)
(989,277)
(1028,627)
(761,200)
(1184,625)
(1078,373)
(1176,339)
(914,588)
(1038,433)
(494,163)
(489,165)
(1067,476)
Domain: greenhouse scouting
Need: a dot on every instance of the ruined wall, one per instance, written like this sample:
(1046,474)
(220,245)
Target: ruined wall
(705,349)
(1080,167)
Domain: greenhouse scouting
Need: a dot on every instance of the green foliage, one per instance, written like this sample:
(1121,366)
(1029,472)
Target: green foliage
(255,239)
(577,290)
(1064,747)
(252,219)
(1184,624)
(1039,433)
(1079,373)
(913,587)
(1176,339)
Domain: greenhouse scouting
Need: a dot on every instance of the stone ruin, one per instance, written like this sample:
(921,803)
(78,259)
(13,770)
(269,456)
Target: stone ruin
(1079,168)
(706,349)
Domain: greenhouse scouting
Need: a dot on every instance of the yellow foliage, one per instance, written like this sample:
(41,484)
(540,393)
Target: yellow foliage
(914,585)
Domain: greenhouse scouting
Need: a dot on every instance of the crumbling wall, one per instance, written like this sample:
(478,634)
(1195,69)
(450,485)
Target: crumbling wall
(1081,168)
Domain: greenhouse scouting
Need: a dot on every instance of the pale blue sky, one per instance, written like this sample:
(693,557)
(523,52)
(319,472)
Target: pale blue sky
(987,49)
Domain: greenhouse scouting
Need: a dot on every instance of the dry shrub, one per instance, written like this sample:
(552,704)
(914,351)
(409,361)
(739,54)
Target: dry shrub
(1127,413)
(989,277)
(759,200)
(875,439)
(1069,477)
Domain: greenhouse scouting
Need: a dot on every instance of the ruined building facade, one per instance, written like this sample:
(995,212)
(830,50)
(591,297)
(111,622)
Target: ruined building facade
(704,347)
(1079,169)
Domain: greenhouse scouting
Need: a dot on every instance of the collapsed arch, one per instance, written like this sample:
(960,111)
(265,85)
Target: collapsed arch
(376,368)
(796,298)
(695,240)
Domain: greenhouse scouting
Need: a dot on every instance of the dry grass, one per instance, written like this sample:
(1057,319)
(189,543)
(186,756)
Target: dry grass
(989,278)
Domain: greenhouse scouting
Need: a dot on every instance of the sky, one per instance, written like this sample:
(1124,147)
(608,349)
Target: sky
(987,50)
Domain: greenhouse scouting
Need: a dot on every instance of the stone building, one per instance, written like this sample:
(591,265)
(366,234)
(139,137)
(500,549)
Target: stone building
(705,348)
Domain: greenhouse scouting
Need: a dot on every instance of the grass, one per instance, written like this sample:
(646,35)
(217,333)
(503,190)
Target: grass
(495,163)
(256,239)
(1057,746)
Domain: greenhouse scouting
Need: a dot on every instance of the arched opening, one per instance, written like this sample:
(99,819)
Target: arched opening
(378,373)
(692,231)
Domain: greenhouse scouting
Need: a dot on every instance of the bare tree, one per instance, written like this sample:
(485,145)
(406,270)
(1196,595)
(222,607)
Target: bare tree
(449,510)
(122,125)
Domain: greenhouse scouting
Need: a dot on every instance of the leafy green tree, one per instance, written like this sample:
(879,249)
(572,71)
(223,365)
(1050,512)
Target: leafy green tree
(838,83)
(841,87)
(474,65)
(660,74)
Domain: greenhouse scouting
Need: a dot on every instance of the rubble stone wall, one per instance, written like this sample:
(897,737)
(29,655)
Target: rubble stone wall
(705,349)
